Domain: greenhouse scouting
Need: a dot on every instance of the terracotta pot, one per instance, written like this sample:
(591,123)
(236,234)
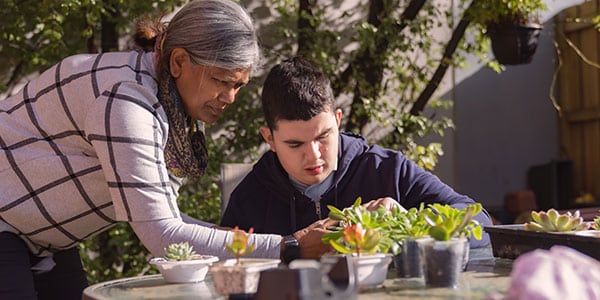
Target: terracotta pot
(230,278)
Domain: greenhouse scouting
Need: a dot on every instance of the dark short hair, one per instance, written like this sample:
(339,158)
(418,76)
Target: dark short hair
(295,90)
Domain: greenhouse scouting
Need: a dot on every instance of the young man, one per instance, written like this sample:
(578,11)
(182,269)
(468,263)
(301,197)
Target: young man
(311,164)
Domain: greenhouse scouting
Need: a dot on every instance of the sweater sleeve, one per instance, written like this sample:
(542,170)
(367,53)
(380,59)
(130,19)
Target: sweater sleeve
(157,235)
(418,185)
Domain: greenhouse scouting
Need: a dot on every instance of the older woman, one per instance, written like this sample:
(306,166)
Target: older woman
(103,138)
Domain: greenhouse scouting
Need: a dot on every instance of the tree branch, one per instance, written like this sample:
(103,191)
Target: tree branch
(437,77)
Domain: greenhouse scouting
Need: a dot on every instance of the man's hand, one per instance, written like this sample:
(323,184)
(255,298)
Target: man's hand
(309,239)
(386,202)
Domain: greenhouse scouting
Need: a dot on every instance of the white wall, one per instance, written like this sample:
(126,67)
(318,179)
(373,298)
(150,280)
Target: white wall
(505,123)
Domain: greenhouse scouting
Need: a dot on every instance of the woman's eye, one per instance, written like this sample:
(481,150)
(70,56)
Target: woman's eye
(219,81)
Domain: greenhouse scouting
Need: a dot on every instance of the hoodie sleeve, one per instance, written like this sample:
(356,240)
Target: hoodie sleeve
(417,185)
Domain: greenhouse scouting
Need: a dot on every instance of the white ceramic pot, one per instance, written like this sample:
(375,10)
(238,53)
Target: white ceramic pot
(230,278)
(371,270)
(185,270)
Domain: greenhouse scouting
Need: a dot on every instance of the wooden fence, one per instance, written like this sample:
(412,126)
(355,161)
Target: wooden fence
(578,94)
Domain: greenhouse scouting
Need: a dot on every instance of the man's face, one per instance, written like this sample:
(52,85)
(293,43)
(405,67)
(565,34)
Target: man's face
(307,150)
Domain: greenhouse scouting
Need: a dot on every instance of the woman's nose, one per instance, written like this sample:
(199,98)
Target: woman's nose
(228,96)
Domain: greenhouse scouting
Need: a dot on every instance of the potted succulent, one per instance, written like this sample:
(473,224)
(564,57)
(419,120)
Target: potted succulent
(240,275)
(362,237)
(181,264)
(553,221)
(512,27)
(443,255)
(407,228)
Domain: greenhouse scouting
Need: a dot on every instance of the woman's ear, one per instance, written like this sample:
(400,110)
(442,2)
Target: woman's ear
(268,136)
(179,57)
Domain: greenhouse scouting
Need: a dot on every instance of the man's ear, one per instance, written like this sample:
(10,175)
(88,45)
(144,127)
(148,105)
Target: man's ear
(179,57)
(338,117)
(268,136)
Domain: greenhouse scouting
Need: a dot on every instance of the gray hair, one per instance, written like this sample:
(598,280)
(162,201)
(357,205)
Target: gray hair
(216,33)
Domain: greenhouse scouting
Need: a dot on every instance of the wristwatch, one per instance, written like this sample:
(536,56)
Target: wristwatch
(290,240)
(291,249)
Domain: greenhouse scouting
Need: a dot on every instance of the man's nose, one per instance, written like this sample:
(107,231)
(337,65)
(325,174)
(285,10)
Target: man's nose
(314,150)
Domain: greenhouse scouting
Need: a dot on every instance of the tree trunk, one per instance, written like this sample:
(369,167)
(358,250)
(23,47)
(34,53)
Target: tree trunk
(109,35)
(437,77)
(373,75)
(305,29)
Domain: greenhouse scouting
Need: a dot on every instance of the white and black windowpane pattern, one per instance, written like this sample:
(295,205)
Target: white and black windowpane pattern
(82,148)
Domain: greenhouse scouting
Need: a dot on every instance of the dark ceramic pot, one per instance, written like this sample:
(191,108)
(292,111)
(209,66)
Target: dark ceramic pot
(514,44)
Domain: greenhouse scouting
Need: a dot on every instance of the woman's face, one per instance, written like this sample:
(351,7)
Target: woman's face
(205,91)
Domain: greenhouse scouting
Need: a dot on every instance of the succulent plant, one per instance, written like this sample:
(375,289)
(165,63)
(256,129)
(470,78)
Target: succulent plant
(596,223)
(240,245)
(448,222)
(180,251)
(360,231)
(553,221)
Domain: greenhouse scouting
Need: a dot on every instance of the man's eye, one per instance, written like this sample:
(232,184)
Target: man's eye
(294,145)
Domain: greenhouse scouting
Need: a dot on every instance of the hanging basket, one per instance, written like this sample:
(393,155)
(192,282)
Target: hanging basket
(514,44)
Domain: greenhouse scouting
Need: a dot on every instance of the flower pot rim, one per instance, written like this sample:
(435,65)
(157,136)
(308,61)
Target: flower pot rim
(378,254)
(247,264)
(202,259)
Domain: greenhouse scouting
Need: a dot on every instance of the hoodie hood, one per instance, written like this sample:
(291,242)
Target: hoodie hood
(270,173)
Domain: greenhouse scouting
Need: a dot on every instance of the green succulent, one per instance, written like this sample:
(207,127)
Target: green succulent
(553,221)
(370,234)
(448,222)
(180,251)
(240,244)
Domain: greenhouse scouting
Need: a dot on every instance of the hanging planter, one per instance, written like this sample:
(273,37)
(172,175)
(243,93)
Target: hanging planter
(514,43)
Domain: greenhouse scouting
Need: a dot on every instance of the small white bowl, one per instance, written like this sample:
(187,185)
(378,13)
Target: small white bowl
(184,271)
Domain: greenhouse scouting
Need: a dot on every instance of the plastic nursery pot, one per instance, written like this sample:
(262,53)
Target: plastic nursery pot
(466,254)
(408,261)
(442,261)
(185,270)
(370,270)
(230,278)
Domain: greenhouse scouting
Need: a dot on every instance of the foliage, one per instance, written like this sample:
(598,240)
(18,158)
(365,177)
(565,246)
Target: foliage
(553,221)
(403,224)
(495,11)
(36,34)
(449,222)
(380,56)
(596,223)
(180,251)
(240,245)
(359,230)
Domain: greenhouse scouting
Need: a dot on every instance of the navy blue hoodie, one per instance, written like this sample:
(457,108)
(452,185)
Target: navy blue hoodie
(267,201)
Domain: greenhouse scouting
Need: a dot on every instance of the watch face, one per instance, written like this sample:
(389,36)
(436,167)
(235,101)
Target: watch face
(290,240)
